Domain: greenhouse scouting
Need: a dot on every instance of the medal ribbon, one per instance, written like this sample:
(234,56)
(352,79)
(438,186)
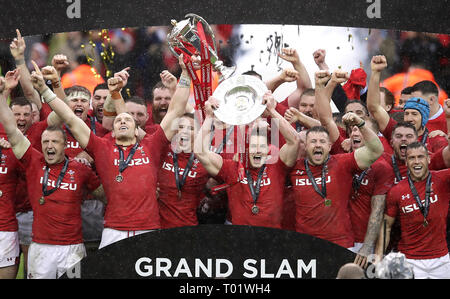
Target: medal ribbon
(424,208)
(178,182)
(124,164)
(357,180)
(425,136)
(255,190)
(47,192)
(398,176)
(323,191)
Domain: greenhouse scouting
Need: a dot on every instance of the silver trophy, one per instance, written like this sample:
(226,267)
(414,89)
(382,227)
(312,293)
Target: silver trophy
(186,31)
(240,99)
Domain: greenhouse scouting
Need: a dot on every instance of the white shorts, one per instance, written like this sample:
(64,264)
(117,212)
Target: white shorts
(438,268)
(9,249)
(110,235)
(25,221)
(47,261)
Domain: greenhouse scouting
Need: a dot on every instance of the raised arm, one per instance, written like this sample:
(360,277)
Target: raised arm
(319,59)
(378,202)
(289,151)
(377,111)
(372,149)
(211,161)
(76,125)
(177,106)
(17,140)
(17,48)
(325,84)
(292,115)
(287,75)
(446,150)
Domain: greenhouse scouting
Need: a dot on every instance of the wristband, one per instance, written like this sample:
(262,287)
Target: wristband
(115,95)
(48,95)
(184,82)
(361,124)
(107,113)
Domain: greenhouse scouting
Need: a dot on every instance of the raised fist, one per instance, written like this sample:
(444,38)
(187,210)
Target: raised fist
(321,78)
(60,62)
(289,75)
(350,119)
(289,55)
(378,63)
(339,76)
(115,84)
(319,56)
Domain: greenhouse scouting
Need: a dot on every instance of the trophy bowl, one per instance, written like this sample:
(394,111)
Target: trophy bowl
(184,35)
(240,99)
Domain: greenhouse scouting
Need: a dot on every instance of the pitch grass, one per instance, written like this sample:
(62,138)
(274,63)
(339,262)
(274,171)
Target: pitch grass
(20,272)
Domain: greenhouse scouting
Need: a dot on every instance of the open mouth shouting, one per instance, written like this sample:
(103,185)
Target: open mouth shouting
(78,112)
(402,149)
(51,154)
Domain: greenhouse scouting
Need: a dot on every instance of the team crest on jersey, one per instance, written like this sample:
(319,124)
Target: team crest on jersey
(71,173)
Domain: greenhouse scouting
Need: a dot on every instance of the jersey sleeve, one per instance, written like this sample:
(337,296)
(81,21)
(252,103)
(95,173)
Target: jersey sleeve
(30,158)
(387,133)
(229,172)
(391,203)
(437,160)
(96,145)
(383,178)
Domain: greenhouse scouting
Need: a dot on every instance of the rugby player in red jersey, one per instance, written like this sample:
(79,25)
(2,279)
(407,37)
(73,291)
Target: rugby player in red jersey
(127,166)
(421,204)
(9,172)
(255,195)
(370,186)
(321,181)
(56,185)
(181,178)
(417,110)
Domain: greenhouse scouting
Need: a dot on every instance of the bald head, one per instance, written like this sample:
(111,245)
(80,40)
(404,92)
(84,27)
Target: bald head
(350,271)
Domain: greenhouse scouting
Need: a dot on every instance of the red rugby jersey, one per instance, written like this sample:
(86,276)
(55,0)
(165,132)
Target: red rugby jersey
(270,200)
(58,220)
(313,217)
(418,241)
(376,181)
(175,212)
(9,174)
(132,203)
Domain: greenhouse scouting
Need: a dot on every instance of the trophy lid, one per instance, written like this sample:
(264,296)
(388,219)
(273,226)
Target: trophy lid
(240,99)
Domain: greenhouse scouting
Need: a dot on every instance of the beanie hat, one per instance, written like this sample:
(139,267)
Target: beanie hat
(420,105)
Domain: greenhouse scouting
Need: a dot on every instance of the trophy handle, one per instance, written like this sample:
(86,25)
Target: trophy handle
(206,26)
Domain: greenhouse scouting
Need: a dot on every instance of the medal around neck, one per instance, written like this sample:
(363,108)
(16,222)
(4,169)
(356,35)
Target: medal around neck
(240,99)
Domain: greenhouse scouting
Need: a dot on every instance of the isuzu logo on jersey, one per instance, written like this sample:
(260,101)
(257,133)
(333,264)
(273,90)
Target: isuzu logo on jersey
(307,182)
(135,162)
(413,207)
(3,170)
(170,167)
(264,182)
(73,144)
(62,186)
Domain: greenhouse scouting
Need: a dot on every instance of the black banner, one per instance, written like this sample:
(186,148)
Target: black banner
(52,16)
(216,252)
